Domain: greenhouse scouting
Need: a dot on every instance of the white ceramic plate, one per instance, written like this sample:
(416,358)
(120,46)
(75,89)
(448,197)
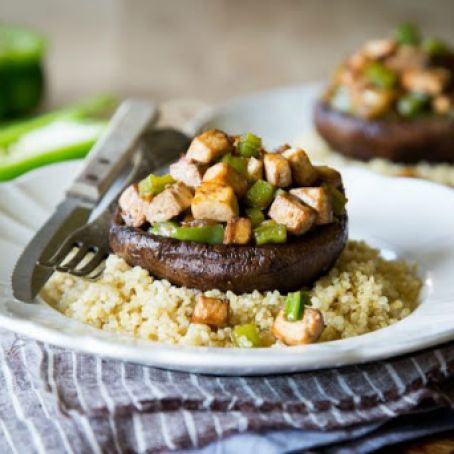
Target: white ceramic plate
(278,116)
(407,218)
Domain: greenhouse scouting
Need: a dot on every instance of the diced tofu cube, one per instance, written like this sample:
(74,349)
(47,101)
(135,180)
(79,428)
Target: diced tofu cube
(407,57)
(277,170)
(238,231)
(372,102)
(429,81)
(329,175)
(255,169)
(189,172)
(379,48)
(303,171)
(305,331)
(133,207)
(319,199)
(169,203)
(226,175)
(288,210)
(442,104)
(209,146)
(214,201)
(211,311)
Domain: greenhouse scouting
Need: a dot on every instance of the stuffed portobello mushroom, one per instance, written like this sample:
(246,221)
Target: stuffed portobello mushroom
(231,215)
(392,99)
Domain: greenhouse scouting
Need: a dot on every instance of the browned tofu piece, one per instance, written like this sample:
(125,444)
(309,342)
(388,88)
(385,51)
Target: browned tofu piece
(222,173)
(189,172)
(373,102)
(209,146)
(133,208)
(255,169)
(303,171)
(211,311)
(238,231)
(329,175)
(288,210)
(169,203)
(214,201)
(407,57)
(319,199)
(429,81)
(277,170)
(379,48)
(442,104)
(300,332)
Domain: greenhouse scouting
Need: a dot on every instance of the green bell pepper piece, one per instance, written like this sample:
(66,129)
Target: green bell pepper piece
(166,228)
(255,215)
(413,104)
(435,47)
(208,234)
(246,336)
(407,34)
(270,232)
(294,305)
(381,76)
(237,162)
(250,145)
(338,199)
(154,184)
(260,194)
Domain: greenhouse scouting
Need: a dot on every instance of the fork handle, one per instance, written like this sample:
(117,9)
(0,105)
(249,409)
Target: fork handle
(113,149)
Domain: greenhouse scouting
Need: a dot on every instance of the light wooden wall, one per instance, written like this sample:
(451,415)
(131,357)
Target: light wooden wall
(207,49)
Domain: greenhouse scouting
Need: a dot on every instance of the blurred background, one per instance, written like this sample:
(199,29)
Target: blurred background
(58,56)
(206,49)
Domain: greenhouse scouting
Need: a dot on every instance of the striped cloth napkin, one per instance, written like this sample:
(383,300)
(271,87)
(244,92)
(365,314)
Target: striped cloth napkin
(55,401)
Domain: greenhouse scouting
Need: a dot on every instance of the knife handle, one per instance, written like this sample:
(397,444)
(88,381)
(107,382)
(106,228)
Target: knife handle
(113,149)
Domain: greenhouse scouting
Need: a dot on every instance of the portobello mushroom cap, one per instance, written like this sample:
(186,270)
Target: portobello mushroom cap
(284,267)
(400,140)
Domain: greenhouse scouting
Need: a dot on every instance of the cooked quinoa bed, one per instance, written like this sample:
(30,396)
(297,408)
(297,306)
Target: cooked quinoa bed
(362,293)
(320,151)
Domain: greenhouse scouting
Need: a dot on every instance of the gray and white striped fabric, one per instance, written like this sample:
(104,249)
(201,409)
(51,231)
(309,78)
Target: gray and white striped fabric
(53,400)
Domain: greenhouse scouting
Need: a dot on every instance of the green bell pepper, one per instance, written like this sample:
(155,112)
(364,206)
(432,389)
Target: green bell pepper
(237,162)
(246,336)
(338,199)
(255,215)
(154,184)
(435,47)
(208,234)
(294,305)
(381,76)
(270,232)
(260,194)
(250,145)
(407,34)
(412,105)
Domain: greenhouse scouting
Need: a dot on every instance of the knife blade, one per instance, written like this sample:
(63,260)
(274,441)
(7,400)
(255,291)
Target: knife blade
(103,165)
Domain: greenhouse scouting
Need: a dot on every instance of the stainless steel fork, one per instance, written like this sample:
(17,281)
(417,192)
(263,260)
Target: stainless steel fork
(84,252)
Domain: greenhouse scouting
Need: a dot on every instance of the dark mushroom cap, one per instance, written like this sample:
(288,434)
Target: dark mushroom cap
(283,267)
(428,138)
